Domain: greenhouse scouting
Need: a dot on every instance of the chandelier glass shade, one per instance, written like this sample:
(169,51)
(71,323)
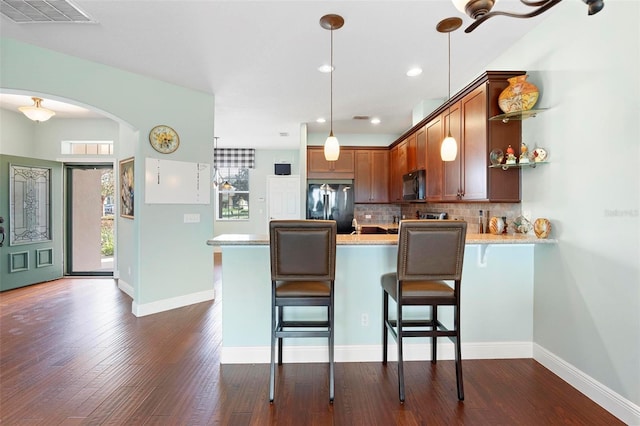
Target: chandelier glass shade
(37,112)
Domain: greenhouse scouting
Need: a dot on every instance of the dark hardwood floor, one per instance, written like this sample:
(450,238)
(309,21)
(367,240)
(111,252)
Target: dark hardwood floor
(71,352)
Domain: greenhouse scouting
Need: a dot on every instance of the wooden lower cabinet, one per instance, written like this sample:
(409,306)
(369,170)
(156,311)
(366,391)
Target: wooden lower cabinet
(371,175)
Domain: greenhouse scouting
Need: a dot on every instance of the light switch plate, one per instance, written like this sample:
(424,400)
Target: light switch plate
(191,217)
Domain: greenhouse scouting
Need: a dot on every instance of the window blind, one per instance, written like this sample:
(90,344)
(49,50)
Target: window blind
(242,158)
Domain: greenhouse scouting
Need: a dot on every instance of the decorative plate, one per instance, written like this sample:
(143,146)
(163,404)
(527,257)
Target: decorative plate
(496,156)
(539,154)
(164,139)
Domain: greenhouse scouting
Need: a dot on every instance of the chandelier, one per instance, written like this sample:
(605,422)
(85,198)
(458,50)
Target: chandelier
(480,10)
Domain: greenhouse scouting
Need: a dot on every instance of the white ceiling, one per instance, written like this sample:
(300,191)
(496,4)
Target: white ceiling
(260,58)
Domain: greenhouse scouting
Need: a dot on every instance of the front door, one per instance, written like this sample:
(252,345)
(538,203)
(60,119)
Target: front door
(31,209)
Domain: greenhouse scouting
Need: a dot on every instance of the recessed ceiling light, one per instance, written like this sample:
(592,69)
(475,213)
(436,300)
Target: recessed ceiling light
(413,72)
(326,68)
(375,121)
(321,120)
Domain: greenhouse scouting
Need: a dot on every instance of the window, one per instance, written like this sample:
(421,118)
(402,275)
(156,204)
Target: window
(86,148)
(233,194)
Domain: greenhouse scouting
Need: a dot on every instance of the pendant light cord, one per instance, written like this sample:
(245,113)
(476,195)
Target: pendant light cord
(331,87)
(449,83)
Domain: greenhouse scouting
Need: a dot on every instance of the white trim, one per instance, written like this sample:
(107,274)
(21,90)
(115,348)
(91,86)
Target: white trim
(125,287)
(373,353)
(622,408)
(172,303)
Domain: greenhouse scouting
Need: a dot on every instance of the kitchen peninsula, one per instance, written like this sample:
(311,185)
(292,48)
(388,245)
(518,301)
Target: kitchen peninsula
(496,312)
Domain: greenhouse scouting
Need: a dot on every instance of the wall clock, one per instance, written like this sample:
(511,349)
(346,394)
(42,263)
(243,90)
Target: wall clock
(164,139)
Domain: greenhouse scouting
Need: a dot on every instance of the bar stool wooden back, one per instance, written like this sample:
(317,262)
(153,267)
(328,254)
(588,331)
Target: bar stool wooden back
(303,265)
(430,252)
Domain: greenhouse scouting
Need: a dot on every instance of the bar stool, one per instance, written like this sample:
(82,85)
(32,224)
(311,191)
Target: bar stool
(429,252)
(303,265)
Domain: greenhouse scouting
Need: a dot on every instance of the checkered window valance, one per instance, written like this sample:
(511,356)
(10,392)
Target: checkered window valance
(243,158)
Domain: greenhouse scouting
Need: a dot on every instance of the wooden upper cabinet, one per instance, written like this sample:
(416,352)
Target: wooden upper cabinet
(434,136)
(371,175)
(474,140)
(469,177)
(319,168)
(421,148)
(395,177)
(403,163)
(411,153)
(452,170)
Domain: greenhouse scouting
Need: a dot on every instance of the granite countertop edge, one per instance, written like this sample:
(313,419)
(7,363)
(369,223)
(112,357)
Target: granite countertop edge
(378,239)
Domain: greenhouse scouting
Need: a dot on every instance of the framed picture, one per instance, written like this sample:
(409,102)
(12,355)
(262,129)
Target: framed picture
(126,187)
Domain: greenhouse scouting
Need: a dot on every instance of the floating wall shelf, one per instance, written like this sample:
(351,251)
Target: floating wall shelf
(518,115)
(532,165)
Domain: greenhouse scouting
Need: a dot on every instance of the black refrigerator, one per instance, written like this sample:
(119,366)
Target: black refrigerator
(331,201)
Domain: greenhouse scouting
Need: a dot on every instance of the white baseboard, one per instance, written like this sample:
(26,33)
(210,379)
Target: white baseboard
(141,310)
(625,410)
(126,288)
(373,353)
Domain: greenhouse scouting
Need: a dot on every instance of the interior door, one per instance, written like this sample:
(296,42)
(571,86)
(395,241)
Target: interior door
(284,197)
(31,209)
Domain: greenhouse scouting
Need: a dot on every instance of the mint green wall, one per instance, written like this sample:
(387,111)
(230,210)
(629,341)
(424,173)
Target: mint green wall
(171,259)
(17,134)
(587,291)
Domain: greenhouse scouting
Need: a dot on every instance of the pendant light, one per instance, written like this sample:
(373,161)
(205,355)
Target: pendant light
(449,147)
(226,186)
(331,145)
(37,112)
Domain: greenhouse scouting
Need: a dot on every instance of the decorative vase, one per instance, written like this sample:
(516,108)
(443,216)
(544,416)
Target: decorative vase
(520,95)
(542,227)
(496,225)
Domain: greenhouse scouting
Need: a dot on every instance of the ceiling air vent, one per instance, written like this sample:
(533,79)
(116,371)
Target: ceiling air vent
(43,11)
(361,117)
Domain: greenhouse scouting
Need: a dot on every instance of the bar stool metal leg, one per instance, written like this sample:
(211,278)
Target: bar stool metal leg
(385,318)
(272,367)
(331,361)
(400,357)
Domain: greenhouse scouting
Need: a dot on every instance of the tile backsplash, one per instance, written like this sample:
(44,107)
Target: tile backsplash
(384,213)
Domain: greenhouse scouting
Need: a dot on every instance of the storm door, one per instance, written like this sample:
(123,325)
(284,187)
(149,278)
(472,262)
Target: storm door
(90,220)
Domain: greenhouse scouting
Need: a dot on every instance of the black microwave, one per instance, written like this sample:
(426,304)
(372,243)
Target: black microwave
(414,185)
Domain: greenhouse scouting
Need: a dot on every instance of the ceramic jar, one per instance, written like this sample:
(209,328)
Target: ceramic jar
(496,225)
(520,95)
(542,227)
